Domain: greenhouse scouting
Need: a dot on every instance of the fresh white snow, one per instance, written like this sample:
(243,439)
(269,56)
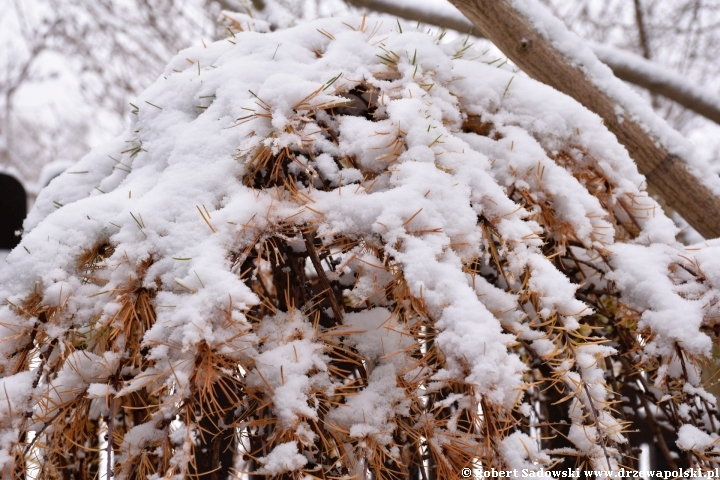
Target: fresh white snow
(168,196)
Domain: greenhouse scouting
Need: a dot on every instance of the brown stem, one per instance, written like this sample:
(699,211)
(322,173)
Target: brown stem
(657,432)
(315,259)
(110,431)
(597,425)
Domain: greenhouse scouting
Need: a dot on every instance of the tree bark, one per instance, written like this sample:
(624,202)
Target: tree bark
(668,174)
(215,451)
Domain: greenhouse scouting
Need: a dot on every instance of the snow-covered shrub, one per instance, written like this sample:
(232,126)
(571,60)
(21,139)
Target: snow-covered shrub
(342,247)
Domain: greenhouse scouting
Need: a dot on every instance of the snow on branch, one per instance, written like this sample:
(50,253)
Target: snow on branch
(625,65)
(349,248)
(660,80)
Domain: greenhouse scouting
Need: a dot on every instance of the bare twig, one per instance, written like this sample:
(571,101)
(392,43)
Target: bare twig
(596,417)
(640,20)
(110,428)
(449,19)
(312,251)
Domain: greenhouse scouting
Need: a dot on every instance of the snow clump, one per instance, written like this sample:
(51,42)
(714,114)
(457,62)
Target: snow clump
(346,242)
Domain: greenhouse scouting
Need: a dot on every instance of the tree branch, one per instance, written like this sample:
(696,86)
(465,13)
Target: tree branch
(443,17)
(639,19)
(657,79)
(236,6)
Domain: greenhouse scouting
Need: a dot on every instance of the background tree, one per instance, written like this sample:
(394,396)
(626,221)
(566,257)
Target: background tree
(97,55)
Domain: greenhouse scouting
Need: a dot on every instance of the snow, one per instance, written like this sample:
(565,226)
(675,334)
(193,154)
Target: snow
(658,74)
(285,361)
(521,453)
(429,204)
(283,458)
(82,371)
(52,170)
(579,54)
(371,412)
(692,438)
(15,391)
(381,334)
(643,274)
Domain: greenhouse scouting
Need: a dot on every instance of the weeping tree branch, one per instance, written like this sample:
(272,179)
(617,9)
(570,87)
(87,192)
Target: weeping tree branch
(512,32)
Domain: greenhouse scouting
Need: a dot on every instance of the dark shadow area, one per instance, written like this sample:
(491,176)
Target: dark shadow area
(13,208)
